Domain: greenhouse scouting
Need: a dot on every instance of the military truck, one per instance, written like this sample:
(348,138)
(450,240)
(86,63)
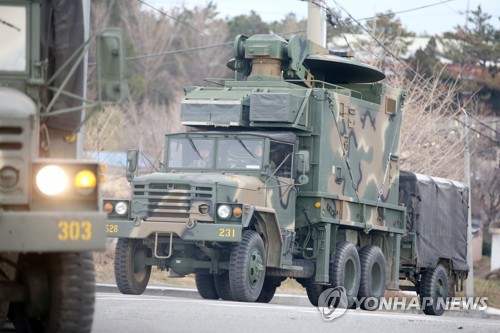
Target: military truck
(50,210)
(290,172)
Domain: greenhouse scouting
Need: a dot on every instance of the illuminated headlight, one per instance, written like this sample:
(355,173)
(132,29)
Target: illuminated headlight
(51,180)
(224,211)
(121,208)
(85,181)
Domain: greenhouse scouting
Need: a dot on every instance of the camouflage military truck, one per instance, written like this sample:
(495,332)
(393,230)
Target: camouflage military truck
(50,213)
(292,172)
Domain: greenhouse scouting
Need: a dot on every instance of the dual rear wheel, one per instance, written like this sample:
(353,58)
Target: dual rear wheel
(362,274)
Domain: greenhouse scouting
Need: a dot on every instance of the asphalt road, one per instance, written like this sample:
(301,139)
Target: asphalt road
(147,313)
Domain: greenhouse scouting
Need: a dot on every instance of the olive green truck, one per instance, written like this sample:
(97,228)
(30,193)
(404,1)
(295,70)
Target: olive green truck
(292,172)
(51,217)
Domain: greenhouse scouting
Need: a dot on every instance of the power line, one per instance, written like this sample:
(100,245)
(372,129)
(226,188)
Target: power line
(405,65)
(407,10)
(173,18)
(178,51)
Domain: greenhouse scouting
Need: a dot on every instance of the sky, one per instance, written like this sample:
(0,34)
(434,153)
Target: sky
(443,16)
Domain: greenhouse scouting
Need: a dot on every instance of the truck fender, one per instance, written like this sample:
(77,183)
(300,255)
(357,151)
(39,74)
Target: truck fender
(266,223)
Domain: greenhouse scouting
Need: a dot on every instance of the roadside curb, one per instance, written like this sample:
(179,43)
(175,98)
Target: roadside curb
(288,299)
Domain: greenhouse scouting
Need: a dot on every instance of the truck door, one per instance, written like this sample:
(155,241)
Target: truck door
(280,191)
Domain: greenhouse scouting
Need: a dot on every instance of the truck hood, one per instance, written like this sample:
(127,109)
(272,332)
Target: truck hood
(227,180)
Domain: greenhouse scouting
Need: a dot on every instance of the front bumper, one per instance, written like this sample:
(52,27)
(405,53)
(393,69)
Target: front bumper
(199,232)
(41,231)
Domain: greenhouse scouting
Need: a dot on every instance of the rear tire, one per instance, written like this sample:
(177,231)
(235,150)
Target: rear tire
(223,286)
(313,290)
(247,267)
(206,286)
(434,291)
(345,270)
(373,277)
(131,275)
(271,283)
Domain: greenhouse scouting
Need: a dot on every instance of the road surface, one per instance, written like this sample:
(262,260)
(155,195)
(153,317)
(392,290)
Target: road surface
(125,313)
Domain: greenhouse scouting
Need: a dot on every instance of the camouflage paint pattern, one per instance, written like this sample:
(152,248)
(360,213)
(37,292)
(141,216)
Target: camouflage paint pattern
(351,132)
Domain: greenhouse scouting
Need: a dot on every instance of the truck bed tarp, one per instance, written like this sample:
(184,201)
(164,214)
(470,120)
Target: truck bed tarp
(437,211)
(62,33)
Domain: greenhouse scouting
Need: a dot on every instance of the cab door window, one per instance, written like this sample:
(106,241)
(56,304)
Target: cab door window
(281,157)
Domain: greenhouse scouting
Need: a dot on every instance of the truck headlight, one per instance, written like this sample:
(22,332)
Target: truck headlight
(224,211)
(116,209)
(51,180)
(121,208)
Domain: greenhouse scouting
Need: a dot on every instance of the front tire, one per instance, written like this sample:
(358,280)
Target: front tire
(64,300)
(434,290)
(131,275)
(373,277)
(247,267)
(345,270)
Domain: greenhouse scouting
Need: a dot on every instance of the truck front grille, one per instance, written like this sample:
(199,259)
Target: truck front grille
(163,202)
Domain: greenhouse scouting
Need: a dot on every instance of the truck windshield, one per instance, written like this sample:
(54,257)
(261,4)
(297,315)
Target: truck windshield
(232,153)
(236,153)
(13,37)
(190,153)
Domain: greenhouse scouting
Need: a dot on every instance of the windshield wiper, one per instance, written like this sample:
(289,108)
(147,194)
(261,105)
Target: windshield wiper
(10,25)
(194,148)
(245,147)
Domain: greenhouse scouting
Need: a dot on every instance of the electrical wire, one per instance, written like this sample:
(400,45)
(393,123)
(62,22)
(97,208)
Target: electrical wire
(386,49)
(178,51)
(171,17)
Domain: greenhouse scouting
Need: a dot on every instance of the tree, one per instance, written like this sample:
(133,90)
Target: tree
(247,25)
(289,25)
(475,52)
(387,27)
(425,62)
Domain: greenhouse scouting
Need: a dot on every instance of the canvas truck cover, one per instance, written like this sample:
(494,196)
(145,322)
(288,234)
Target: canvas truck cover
(437,211)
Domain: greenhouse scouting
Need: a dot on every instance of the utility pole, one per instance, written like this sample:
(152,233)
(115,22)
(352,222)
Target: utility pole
(316,22)
(469,288)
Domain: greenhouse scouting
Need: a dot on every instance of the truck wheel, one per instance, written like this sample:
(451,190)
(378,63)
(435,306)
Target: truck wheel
(205,285)
(7,273)
(373,277)
(271,283)
(223,286)
(434,290)
(247,267)
(62,293)
(313,290)
(4,309)
(131,274)
(345,270)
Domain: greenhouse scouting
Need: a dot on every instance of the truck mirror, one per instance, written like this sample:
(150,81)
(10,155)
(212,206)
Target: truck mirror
(302,161)
(111,85)
(132,161)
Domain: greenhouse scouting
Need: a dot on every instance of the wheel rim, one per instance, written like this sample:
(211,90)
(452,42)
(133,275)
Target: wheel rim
(255,268)
(376,277)
(439,289)
(350,276)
